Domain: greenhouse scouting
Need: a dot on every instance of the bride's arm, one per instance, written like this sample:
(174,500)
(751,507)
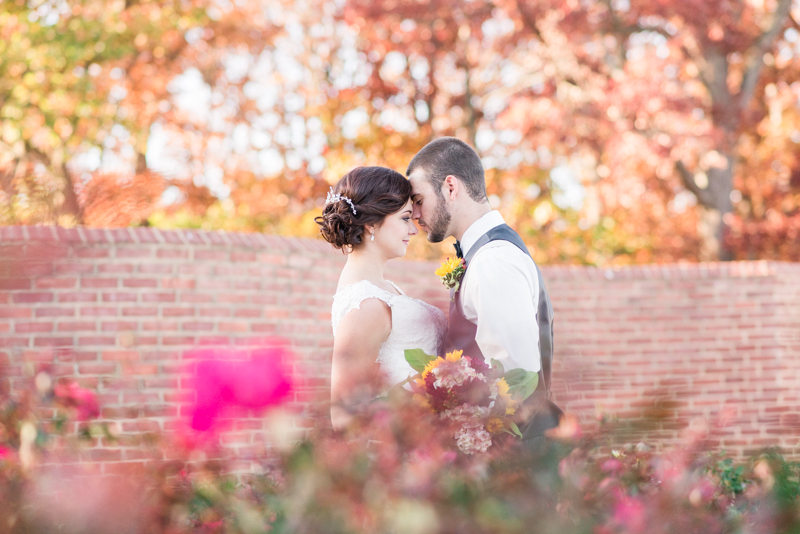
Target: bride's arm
(354,374)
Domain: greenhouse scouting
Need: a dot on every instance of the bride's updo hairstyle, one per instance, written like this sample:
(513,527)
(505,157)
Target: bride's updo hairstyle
(364,196)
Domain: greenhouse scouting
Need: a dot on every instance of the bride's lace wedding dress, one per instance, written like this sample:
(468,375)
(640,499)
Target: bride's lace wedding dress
(415,325)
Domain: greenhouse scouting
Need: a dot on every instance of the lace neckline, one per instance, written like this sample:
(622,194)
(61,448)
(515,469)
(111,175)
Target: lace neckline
(349,286)
(400,291)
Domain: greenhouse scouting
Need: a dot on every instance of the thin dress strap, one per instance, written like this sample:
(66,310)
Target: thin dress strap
(396,287)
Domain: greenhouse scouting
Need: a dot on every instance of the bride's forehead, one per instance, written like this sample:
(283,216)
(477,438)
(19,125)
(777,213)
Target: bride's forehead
(407,208)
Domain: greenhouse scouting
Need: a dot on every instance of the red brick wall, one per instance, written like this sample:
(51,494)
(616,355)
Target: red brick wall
(118,310)
(718,343)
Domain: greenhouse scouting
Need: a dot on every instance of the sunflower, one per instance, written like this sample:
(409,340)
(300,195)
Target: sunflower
(433,364)
(448,266)
(436,362)
(502,392)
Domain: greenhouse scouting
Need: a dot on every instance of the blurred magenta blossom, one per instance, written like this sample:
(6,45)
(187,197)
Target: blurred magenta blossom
(83,401)
(630,513)
(225,379)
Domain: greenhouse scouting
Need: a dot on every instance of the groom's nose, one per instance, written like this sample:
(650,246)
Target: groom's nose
(415,212)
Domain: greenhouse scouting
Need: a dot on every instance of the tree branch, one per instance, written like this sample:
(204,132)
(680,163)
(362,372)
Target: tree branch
(703,195)
(762,45)
(528,20)
(701,71)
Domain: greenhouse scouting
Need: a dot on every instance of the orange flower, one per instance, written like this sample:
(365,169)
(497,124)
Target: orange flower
(494,425)
(454,356)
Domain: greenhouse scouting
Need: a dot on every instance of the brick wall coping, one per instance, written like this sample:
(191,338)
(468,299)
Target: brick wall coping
(143,235)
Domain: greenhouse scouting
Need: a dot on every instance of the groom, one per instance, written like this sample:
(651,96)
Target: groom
(501,309)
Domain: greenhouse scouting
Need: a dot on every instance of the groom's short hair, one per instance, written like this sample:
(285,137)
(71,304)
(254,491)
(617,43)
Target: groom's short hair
(451,156)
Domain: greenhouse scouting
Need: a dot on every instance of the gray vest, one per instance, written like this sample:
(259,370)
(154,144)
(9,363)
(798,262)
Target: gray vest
(461,332)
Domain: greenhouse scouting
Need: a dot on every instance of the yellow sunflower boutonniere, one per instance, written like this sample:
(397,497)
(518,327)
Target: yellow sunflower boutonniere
(451,271)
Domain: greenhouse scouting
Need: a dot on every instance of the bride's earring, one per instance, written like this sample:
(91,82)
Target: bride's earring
(373,235)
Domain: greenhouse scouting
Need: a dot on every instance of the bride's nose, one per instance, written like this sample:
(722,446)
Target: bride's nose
(413,230)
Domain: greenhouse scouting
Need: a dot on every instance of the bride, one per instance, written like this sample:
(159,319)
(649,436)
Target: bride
(368,216)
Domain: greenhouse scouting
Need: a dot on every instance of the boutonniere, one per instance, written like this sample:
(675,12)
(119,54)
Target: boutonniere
(451,271)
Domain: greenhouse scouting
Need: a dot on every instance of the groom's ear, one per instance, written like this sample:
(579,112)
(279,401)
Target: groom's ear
(450,187)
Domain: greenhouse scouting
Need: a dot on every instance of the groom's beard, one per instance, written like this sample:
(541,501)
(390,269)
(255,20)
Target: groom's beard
(437,228)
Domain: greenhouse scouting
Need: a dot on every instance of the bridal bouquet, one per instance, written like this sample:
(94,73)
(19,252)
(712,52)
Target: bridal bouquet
(475,398)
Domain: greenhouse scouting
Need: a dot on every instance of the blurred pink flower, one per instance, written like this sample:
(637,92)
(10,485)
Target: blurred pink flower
(630,513)
(670,469)
(466,415)
(473,439)
(212,526)
(6,453)
(451,374)
(219,384)
(449,457)
(82,400)
(612,465)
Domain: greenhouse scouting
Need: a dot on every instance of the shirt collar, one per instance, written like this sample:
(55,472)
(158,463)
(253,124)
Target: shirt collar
(480,227)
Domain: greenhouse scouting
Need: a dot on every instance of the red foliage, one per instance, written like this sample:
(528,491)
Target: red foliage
(114,200)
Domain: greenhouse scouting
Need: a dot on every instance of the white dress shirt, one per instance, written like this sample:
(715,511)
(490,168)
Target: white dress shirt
(500,295)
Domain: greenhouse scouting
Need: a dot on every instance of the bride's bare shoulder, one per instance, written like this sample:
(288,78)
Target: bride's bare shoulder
(371,314)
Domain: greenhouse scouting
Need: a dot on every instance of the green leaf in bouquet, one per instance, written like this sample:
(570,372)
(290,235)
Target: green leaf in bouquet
(521,383)
(513,429)
(497,368)
(515,376)
(417,359)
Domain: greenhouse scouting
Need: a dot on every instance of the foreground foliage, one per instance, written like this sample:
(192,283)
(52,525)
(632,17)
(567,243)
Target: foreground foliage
(392,471)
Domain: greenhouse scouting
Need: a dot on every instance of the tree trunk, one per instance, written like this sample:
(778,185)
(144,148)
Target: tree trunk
(715,197)
(720,184)
(71,204)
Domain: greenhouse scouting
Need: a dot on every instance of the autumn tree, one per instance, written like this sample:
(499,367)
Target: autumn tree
(85,78)
(726,48)
(650,101)
(611,131)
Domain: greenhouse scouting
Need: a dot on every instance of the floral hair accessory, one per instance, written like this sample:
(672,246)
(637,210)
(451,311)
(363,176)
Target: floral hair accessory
(336,197)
